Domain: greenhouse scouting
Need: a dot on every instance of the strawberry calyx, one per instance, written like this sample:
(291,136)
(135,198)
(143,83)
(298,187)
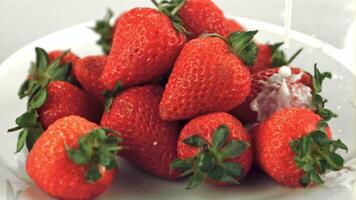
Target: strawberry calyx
(171,9)
(97,149)
(104,29)
(213,160)
(279,58)
(315,153)
(241,44)
(317,100)
(111,94)
(35,88)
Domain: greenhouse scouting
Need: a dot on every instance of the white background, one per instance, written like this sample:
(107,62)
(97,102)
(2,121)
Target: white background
(23,21)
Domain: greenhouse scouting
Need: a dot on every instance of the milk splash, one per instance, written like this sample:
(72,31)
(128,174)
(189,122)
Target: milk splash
(281,90)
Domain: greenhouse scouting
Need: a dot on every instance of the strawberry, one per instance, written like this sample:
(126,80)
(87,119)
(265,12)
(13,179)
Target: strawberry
(234,26)
(197,16)
(269,55)
(88,70)
(149,142)
(265,91)
(145,46)
(210,75)
(215,147)
(50,98)
(73,159)
(64,99)
(69,57)
(294,145)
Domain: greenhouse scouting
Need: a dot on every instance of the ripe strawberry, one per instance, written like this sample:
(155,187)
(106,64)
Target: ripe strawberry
(149,142)
(69,57)
(49,98)
(210,75)
(234,26)
(271,56)
(198,16)
(263,98)
(145,46)
(64,99)
(214,147)
(88,70)
(293,146)
(73,159)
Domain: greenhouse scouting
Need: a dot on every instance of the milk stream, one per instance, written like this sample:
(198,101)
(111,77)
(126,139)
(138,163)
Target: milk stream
(287,21)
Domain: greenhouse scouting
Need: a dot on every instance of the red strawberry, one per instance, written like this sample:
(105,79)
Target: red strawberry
(234,26)
(64,161)
(293,146)
(145,46)
(208,76)
(50,98)
(214,147)
(64,99)
(271,56)
(88,70)
(198,16)
(265,92)
(69,57)
(149,141)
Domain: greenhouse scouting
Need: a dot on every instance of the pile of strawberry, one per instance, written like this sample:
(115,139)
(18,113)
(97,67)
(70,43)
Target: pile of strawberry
(175,95)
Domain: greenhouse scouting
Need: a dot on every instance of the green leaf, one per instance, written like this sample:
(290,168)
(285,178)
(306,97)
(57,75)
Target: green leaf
(61,73)
(220,137)
(229,179)
(93,174)
(96,149)
(320,137)
(279,58)
(105,30)
(39,98)
(23,89)
(315,177)
(294,56)
(315,154)
(21,140)
(195,180)
(339,144)
(111,94)
(336,162)
(41,59)
(234,149)
(77,157)
(32,136)
(233,169)
(217,173)
(304,180)
(241,43)
(28,119)
(181,164)
(195,141)
(206,162)
(171,9)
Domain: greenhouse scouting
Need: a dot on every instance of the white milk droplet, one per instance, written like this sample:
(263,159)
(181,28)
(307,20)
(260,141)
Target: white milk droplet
(285,71)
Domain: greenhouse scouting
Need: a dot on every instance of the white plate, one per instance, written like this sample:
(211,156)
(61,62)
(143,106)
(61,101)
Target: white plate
(132,184)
